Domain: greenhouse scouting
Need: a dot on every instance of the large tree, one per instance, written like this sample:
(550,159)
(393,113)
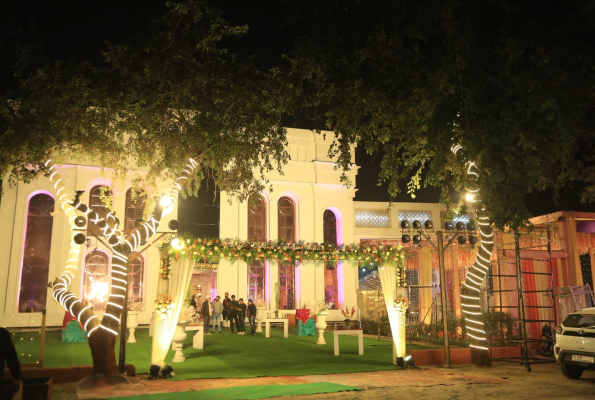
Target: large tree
(512,82)
(171,93)
(507,85)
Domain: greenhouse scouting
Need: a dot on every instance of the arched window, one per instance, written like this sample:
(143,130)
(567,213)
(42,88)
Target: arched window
(36,253)
(287,232)
(331,285)
(286,218)
(134,209)
(98,206)
(257,232)
(257,219)
(135,277)
(95,287)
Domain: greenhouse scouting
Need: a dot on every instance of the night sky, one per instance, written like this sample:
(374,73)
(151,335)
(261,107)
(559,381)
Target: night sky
(80,29)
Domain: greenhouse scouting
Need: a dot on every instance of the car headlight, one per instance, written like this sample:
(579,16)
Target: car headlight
(559,330)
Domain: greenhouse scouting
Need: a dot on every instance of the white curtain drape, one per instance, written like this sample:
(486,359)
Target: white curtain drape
(388,278)
(165,325)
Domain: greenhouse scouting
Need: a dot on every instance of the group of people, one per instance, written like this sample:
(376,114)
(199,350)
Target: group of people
(226,312)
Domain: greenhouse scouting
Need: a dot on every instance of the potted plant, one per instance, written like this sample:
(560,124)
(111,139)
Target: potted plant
(187,313)
(134,308)
(348,315)
(319,309)
(261,308)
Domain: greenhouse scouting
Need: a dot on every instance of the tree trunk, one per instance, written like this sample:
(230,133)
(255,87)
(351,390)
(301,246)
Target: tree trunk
(480,358)
(103,344)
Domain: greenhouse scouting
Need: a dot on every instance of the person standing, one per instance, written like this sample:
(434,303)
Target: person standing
(193,302)
(225,313)
(217,310)
(242,318)
(233,313)
(252,316)
(206,312)
(8,355)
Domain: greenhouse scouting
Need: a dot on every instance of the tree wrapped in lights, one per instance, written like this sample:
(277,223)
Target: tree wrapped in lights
(102,334)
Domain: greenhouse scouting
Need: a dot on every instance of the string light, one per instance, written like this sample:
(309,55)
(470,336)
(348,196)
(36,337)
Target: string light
(481,266)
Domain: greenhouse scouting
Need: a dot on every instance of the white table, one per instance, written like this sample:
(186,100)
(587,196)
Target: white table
(198,339)
(351,332)
(267,324)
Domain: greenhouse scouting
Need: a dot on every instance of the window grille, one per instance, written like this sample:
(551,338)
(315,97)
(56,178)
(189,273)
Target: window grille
(421,216)
(372,219)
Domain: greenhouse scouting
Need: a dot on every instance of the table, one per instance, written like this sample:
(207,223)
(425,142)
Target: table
(198,339)
(351,332)
(267,324)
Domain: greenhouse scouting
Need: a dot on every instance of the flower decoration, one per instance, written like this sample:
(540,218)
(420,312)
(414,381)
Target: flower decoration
(261,304)
(401,305)
(164,304)
(165,268)
(318,306)
(136,306)
(187,313)
(210,251)
(348,314)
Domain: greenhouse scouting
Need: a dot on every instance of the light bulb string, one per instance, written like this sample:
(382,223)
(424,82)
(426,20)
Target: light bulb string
(471,290)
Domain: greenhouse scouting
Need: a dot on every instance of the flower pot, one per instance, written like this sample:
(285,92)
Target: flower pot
(131,325)
(321,326)
(178,342)
(261,314)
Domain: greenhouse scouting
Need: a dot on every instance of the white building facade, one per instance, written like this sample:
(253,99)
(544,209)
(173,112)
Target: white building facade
(307,203)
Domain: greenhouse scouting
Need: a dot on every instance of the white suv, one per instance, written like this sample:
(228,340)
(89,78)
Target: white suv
(575,343)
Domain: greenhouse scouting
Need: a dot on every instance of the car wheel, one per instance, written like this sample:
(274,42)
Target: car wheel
(571,371)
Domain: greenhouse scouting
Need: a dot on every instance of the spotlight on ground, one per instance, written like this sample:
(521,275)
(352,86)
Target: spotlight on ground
(462,240)
(416,224)
(405,238)
(173,225)
(460,226)
(80,221)
(449,226)
(416,239)
(472,240)
(79,238)
(405,224)
(429,225)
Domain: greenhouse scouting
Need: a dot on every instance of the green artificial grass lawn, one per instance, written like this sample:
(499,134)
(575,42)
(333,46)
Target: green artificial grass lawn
(228,355)
(248,392)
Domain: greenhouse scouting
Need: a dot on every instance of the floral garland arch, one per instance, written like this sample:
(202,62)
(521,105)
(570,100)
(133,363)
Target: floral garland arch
(209,250)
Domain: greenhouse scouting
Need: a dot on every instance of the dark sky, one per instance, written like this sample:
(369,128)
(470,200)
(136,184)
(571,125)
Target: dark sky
(81,28)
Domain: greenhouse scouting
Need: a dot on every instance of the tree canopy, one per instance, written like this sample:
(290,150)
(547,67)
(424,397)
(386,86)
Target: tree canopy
(170,93)
(512,82)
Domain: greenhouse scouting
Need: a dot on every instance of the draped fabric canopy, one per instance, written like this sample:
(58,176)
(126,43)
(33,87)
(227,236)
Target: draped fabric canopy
(165,324)
(388,279)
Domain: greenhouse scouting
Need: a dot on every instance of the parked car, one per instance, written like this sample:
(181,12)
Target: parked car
(575,343)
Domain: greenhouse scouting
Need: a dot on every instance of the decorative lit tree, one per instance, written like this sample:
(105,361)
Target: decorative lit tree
(174,93)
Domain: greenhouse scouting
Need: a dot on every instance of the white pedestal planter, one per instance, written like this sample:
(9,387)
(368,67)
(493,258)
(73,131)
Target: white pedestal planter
(177,343)
(321,326)
(261,315)
(131,325)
